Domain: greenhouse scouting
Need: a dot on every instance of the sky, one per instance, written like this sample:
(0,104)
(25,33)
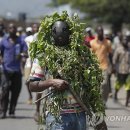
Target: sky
(33,8)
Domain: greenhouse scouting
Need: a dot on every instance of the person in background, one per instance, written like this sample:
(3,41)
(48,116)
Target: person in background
(28,40)
(89,36)
(2,34)
(21,33)
(28,64)
(13,49)
(128,37)
(35,28)
(121,61)
(117,40)
(108,35)
(2,31)
(103,50)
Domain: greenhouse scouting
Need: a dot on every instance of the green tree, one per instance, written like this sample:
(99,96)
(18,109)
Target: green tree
(115,12)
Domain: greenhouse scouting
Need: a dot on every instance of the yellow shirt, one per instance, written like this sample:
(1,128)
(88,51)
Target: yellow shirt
(101,50)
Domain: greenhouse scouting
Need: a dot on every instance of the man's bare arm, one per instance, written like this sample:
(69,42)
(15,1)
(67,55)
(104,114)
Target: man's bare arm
(38,86)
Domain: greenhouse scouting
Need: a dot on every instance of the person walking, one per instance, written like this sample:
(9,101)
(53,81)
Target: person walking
(61,57)
(28,64)
(12,49)
(103,50)
(89,36)
(121,61)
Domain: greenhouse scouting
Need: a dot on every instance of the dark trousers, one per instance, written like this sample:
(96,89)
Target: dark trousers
(11,86)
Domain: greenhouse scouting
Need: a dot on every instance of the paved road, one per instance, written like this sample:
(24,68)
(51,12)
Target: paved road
(117,116)
(24,115)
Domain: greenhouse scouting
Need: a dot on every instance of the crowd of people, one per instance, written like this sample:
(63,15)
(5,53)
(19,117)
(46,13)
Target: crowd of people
(15,63)
(113,53)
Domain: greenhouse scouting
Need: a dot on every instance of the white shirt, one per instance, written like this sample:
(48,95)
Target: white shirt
(28,41)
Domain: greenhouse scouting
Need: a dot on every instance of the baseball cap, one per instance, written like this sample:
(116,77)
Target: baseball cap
(28,29)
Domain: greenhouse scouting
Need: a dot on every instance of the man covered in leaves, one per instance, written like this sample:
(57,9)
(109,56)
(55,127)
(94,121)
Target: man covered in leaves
(74,89)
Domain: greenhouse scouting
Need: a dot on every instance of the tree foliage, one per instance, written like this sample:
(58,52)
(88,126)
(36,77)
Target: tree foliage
(115,12)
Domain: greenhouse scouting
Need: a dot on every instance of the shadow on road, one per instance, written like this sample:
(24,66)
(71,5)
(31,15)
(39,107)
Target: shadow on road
(25,109)
(21,117)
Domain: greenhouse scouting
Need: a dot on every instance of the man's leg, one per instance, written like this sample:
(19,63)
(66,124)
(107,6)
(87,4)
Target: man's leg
(118,84)
(15,91)
(26,76)
(105,87)
(127,88)
(5,86)
(37,113)
(69,121)
(127,97)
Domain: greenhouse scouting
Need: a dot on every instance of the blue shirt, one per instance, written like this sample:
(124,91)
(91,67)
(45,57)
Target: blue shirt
(10,51)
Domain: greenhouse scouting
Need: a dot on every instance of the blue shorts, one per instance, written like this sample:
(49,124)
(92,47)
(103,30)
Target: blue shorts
(69,121)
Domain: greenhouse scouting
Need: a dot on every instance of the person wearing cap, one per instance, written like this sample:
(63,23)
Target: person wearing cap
(21,33)
(89,36)
(32,36)
(28,64)
(29,31)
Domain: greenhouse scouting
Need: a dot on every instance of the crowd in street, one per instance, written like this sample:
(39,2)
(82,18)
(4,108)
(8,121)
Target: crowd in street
(112,51)
(15,64)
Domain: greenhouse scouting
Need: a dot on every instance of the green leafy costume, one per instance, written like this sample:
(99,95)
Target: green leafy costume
(75,63)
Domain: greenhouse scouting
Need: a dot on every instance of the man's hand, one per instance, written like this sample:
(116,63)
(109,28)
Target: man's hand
(60,84)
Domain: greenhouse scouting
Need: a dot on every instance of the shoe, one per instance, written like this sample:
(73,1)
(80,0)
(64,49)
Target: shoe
(12,115)
(36,116)
(2,116)
(29,101)
(126,103)
(110,95)
(115,98)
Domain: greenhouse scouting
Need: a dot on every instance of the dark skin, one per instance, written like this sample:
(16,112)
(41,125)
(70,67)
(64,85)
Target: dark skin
(58,84)
(125,42)
(1,30)
(89,33)
(13,37)
(35,28)
(100,33)
(12,32)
